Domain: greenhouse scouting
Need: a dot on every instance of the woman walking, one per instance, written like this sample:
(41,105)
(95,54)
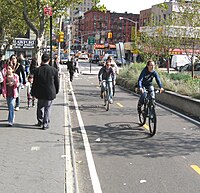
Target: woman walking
(10,92)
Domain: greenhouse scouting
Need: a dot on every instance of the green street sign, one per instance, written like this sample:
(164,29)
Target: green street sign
(91,40)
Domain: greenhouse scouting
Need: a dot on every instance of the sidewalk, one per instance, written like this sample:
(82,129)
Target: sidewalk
(32,160)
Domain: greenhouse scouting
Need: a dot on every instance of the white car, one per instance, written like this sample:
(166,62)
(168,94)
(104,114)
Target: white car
(83,57)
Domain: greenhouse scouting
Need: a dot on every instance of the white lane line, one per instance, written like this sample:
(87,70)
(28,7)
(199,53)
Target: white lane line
(91,165)
(70,173)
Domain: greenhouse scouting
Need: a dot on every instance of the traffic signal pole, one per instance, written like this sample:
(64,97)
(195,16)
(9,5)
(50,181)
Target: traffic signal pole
(51,40)
(60,25)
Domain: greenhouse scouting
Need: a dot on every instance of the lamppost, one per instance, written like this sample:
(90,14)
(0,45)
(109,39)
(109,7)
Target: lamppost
(135,23)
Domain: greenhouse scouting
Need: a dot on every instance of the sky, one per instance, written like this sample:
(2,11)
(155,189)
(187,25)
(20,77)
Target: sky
(130,6)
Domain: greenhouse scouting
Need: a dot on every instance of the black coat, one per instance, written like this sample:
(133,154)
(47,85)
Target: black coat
(45,82)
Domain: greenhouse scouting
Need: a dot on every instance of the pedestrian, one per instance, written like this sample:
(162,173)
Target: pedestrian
(33,65)
(76,65)
(29,96)
(45,87)
(25,63)
(56,62)
(10,91)
(70,67)
(19,70)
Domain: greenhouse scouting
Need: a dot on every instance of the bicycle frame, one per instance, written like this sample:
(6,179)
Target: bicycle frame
(106,94)
(149,111)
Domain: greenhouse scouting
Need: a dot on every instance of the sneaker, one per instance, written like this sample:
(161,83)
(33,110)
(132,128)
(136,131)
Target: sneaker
(10,124)
(39,124)
(16,108)
(45,127)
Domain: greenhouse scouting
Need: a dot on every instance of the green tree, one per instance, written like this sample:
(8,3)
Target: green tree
(187,19)
(32,13)
(11,24)
(156,40)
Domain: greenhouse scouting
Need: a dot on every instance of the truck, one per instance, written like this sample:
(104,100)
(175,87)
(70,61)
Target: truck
(180,60)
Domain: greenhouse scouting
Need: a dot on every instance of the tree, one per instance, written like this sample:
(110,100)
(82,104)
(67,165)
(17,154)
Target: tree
(187,19)
(32,13)
(11,24)
(179,30)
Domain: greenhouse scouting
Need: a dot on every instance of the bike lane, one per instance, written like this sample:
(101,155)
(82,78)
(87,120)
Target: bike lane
(126,158)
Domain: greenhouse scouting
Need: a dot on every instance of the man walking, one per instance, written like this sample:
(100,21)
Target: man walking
(45,87)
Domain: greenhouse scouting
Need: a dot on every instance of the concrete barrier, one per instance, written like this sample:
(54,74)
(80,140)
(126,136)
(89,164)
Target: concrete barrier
(181,103)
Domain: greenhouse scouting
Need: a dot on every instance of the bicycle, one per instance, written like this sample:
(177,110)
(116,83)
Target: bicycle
(106,94)
(148,110)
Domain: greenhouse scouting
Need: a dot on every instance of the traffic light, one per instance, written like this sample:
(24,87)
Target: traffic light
(109,35)
(61,36)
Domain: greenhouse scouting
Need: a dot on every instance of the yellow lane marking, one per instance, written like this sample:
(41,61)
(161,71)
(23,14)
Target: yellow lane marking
(120,105)
(146,126)
(195,168)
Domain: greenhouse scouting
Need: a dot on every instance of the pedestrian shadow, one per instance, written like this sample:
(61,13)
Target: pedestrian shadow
(19,126)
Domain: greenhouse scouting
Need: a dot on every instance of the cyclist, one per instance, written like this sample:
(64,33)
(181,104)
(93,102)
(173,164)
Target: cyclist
(145,82)
(106,74)
(113,64)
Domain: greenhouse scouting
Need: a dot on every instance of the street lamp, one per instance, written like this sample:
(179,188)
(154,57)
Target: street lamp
(135,22)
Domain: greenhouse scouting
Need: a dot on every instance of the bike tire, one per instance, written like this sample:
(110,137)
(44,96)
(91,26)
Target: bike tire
(107,105)
(107,101)
(142,116)
(152,121)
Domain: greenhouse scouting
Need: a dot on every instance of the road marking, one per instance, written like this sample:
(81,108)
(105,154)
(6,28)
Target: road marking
(91,165)
(195,168)
(146,127)
(120,105)
(71,182)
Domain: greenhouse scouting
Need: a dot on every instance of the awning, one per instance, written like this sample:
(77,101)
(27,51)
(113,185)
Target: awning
(99,46)
(112,46)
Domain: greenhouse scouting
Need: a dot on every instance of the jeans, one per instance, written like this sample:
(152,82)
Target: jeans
(18,98)
(144,94)
(10,103)
(110,88)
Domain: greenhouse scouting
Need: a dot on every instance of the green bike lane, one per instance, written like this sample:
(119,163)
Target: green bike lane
(126,158)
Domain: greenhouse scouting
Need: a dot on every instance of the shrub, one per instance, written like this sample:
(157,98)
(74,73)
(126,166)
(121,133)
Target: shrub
(176,82)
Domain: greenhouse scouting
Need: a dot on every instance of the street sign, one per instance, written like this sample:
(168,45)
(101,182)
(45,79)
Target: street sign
(91,40)
(48,11)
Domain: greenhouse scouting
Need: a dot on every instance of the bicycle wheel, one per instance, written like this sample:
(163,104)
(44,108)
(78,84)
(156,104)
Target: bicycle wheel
(152,120)
(142,115)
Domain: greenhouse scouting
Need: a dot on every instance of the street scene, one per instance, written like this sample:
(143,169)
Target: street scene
(99,97)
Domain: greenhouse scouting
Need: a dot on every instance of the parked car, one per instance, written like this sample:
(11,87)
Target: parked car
(95,59)
(83,57)
(120,60)
(188,67)
(64,59)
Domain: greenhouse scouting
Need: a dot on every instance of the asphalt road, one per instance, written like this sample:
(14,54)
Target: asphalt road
(89,150)
(115,155)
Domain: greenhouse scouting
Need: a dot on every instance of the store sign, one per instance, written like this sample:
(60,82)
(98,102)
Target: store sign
(20,43)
